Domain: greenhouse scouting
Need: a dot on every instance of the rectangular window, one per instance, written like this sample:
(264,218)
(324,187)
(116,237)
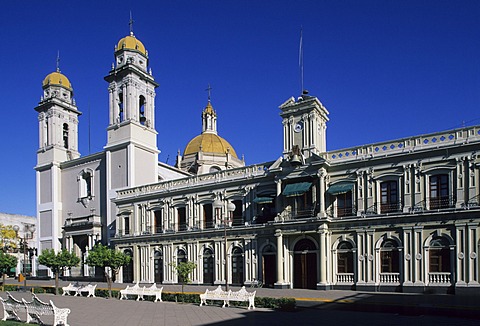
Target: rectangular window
(181,219)
(439,194)
(344,204)
(389,197)
(158,227)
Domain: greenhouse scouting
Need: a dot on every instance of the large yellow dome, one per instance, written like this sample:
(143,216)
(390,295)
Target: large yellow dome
(209,143)
(132,43)
(57,78)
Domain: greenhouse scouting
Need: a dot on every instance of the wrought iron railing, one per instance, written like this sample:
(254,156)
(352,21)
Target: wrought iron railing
(434,203)
(335,211)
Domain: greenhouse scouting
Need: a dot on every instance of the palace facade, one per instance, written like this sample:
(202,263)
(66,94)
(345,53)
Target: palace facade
(401,215)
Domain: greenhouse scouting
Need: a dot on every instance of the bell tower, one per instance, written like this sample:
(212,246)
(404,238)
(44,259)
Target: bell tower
(304,126)
(132,153)
(58,121)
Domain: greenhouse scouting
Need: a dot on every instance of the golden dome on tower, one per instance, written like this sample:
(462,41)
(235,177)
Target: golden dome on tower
(57,78)
(209,143)
(132,43)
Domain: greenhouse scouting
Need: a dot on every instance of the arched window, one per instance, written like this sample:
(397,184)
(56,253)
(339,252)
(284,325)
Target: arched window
(128,269)
(389,257)
(158,266)
(208,266)
(344,257)
(141,110)
(237,266)
(181,258)
(214,169)
(439,255)
(65,135)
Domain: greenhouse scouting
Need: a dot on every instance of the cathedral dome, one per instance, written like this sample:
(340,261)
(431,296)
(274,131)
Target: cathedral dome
(57,78)
(209,143)
(132,43)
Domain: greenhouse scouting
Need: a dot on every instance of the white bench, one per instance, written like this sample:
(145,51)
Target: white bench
(220,295)
(152,291)
(78,289)
(141,291)
(34,309)
(11,307)
(242,295)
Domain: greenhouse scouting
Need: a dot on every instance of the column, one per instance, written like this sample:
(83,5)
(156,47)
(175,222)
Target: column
(323,284)
(280,284)
(321,174)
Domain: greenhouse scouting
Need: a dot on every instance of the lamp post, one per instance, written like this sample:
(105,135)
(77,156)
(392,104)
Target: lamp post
(28,230)
(218,204)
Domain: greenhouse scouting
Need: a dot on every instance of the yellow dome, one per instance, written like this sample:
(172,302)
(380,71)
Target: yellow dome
(132,43)
(209,143)
(57,78)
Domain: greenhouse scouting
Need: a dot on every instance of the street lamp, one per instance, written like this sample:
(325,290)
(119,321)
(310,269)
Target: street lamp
(28,230)
(218,204)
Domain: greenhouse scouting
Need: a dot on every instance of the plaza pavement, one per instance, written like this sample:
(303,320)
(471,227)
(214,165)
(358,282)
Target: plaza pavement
(314,308)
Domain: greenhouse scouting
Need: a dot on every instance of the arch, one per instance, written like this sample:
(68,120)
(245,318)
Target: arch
(208,266)
(305,264)
(127,274)
(345,261)
(158,266)
(269,265)
(439,256)
(237,266)
(389,256)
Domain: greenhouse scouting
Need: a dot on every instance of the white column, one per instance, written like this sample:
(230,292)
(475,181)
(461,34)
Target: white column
(280,281)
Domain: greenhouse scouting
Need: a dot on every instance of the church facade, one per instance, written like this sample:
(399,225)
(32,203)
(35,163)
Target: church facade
(402,215)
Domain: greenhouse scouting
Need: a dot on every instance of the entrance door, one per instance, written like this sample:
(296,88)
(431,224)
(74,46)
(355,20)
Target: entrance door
(269,270)
(208,267)
(305,265)
(237,266)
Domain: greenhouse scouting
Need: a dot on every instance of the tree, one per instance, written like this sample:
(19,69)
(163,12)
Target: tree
(7,262)
(102,256)
(58,262)
(183,271)
(8,236)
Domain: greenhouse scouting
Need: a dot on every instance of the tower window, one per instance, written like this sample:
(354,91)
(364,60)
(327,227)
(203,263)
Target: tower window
(141,110)
(65,135)
(120,108)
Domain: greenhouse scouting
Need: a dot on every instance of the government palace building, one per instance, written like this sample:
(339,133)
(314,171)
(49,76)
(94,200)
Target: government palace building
(400,215)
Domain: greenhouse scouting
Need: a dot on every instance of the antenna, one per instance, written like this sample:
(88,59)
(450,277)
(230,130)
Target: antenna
(130,23)
(300,59)
(209,89)
(58,61)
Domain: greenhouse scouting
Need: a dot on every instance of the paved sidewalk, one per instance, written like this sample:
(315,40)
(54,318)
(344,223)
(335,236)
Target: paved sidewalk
(338,307)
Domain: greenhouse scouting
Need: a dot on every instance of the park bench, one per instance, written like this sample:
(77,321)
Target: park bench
(78,289)
(34,308)
(11,307)
(242,295)
(141,291)
(226,297)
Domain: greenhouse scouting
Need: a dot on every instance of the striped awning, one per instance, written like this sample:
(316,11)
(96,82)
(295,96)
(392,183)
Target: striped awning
(296,189)
(340,188)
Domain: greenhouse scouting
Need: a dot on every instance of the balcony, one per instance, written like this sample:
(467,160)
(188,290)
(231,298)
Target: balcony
(390,278)
(439,278)
(345,278)
(383,208)
(336,211)
(434,203)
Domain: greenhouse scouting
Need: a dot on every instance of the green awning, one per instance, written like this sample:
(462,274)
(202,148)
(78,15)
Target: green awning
(340,188)
(263,200)
(296,189)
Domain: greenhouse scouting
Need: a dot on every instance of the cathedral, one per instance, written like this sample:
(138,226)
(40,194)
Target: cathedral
(400,215)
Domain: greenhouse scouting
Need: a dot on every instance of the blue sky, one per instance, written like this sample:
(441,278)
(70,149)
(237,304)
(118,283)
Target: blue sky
(384,70)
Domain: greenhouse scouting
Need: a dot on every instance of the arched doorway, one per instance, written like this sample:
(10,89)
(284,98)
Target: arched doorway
(128,269)
(208,266)
(237,266)
(181,258)
(158,266)
(305,265)
(269,266)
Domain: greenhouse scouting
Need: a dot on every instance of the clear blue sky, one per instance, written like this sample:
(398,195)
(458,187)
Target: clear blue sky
(384,70)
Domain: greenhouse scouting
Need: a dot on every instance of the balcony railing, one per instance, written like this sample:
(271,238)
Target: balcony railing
(472,203)
(390,278)
(345,278)
(383,208)
(335,211)
(443,278)
(434,203)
